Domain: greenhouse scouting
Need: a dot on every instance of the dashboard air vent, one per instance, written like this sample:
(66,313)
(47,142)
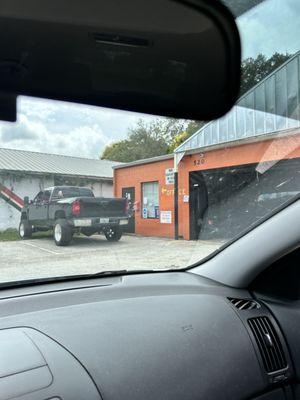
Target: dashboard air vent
(243,304)
(269,343)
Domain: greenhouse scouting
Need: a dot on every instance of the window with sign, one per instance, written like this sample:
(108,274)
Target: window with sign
(150,200)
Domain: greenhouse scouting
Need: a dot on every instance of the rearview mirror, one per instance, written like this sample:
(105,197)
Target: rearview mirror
(178,58)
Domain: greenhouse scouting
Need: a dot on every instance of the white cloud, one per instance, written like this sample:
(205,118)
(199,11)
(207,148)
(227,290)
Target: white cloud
(24,129)
(84,141)
(36,108)
(64,128)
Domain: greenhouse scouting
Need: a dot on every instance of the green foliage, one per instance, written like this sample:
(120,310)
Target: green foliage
(8,235)
(256,69)
(191,128)
(178,140)
(118,151)
(194,126)
(145,140)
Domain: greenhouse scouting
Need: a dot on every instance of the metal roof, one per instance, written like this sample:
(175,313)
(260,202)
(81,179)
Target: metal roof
(43,163)
(144,161)
(271,106)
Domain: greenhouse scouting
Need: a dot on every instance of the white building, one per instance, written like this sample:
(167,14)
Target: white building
(25,173)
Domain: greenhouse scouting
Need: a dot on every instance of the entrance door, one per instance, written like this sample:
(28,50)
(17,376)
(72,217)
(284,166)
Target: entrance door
(129,194)
(198,203)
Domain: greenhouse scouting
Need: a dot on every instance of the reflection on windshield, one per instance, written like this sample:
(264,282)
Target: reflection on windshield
(267,169)
(270,107)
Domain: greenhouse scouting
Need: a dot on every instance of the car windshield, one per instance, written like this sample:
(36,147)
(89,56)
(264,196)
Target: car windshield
(85,189)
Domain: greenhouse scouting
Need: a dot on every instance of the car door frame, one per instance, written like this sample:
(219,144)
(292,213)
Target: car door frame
(38,211)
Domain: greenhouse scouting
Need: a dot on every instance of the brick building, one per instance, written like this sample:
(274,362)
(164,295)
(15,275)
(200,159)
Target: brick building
(228,174)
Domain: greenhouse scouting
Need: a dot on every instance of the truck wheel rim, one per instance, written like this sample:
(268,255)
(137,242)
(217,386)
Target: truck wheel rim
(110,233)
(57,232)
(22,230)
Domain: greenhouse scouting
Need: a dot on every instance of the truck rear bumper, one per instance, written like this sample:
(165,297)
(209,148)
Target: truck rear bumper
(98,222)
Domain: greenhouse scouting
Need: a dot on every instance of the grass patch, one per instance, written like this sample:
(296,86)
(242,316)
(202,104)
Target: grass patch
(12,235)
(8,235)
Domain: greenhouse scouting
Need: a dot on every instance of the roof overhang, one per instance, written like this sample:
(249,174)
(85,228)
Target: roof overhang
(38,173)
(242,142)
(145,161)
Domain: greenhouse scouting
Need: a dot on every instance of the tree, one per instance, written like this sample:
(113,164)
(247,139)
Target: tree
(117,151)
(256,69)
(137,147)
(183,135)
(194,126)
(145,140)
(178,140)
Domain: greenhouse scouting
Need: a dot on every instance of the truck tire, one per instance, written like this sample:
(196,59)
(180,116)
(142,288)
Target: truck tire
(62,232)
(113,234)
(25,229)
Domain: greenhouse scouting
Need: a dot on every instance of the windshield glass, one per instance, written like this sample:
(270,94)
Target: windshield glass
(85,189)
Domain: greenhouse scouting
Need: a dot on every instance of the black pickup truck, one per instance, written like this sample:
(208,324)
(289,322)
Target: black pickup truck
(67,209)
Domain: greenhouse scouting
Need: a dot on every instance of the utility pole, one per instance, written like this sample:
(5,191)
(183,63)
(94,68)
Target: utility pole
(177,158)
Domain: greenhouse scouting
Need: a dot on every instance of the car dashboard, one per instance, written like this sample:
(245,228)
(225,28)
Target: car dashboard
(147,336)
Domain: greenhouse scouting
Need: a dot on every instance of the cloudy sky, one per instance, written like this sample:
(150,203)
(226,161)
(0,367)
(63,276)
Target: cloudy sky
(62,128)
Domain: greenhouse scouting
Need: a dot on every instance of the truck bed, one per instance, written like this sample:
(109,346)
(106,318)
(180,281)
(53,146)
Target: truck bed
(99,206)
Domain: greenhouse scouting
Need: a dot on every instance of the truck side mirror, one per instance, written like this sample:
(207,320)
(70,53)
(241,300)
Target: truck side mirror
(26,201)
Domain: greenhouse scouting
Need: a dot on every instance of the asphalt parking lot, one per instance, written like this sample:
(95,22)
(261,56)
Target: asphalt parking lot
(42,258)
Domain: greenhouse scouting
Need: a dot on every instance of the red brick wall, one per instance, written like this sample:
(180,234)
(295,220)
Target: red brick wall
(134,177)
(275,149)
(281,148)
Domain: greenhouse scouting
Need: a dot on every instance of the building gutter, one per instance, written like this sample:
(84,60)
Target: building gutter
(144,161)
(35,173)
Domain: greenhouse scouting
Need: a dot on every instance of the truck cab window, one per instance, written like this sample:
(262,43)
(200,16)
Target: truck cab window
(38,198)
(46,196)
(42,197)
